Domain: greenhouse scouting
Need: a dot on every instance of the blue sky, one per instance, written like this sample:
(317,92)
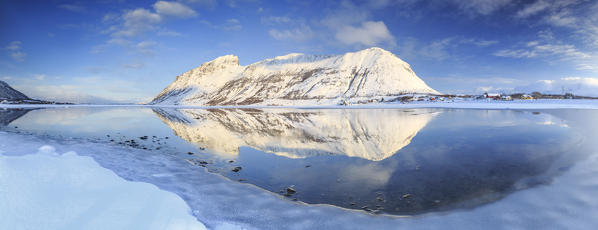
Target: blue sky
(128,51)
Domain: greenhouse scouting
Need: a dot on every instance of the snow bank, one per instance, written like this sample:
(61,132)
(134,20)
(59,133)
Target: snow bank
(570,202)
(48,190)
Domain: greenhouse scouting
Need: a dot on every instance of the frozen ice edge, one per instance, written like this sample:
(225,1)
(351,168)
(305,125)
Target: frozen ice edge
(45,189)
(569,202)
(481,104)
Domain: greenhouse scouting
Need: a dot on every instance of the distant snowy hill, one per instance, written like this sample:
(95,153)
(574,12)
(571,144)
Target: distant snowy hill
(576,85)
(10,94)
(295,79)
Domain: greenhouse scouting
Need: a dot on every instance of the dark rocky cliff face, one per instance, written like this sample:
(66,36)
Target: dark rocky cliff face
(8,93)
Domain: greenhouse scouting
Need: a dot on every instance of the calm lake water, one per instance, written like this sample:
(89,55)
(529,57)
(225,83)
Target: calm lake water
(394,161)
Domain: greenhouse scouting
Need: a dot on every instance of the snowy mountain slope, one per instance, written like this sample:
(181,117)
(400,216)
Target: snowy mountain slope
(10,94)
(295,79)
(298,133)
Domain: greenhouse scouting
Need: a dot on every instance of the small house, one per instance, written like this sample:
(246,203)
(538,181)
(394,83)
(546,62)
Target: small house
(527,97)
(506,98)
(495,96)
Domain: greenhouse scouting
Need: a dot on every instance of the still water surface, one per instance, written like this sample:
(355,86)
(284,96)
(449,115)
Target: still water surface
(394,161)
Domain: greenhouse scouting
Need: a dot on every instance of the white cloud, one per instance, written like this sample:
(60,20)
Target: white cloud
(562,18)
(437,49)
(577,16)
(346,14)
(533,9)
(347,24)
(483,43)
(14,46)
(203,2)
(554,50)
(133,66)
(146,47)
(565,51)
(15,51)
(558,11)
(73,7)
(288,29)
(126,27)
(587,66)
(515,53)
(174,9)
(142,47)
(40,77)
(230,24)
(18,56)
(443,48)
(369,33)
(165,32)
(481,7)
(138,21)
(276,20)
(110,17)
(146,44)
(300,33)
(468,7)
(119,41)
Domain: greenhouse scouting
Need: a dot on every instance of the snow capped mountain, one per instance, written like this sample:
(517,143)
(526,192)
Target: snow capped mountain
(298,133)
(10,94)
(295,79)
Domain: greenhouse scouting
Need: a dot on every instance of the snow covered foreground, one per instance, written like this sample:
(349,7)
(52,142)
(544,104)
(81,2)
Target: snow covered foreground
(48,190)
(45,190)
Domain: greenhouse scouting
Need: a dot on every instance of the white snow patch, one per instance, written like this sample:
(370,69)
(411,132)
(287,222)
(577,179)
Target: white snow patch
(48,190)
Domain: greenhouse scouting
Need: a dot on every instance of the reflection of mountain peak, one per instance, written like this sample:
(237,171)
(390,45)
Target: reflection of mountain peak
(9,115)
(299,133)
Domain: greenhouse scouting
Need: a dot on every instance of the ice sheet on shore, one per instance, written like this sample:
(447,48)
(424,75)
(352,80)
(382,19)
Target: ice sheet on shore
(48,190)
(568,203)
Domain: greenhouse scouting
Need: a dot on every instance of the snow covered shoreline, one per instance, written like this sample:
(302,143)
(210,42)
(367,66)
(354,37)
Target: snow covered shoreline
(45,189)
(517,104)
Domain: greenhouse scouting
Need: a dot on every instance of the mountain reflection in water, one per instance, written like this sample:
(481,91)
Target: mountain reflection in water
(9,115)
(298,134)
(376,160)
